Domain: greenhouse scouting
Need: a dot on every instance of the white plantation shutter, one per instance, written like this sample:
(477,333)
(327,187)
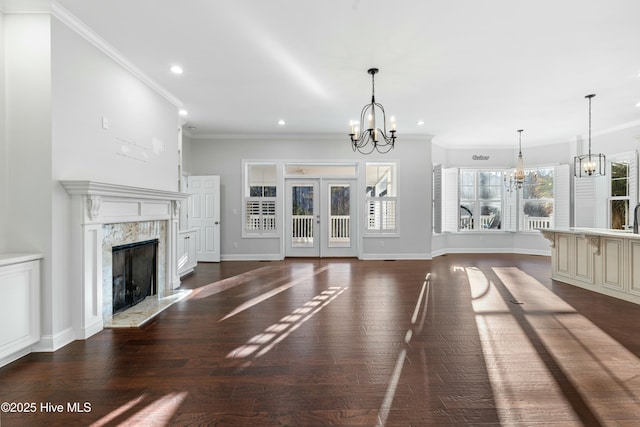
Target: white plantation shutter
(450,204)
(381,214)
(268,215)
(437,199)
(633,182)
(510,209)
(561,197)
(584,202)
(260,215)
(252,219)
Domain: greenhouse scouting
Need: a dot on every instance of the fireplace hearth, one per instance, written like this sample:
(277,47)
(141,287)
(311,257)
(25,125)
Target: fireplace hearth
(134,268)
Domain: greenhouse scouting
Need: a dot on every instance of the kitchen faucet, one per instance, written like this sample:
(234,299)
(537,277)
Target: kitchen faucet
(636,218)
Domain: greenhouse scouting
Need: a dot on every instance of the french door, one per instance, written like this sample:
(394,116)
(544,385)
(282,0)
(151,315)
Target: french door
(321,219)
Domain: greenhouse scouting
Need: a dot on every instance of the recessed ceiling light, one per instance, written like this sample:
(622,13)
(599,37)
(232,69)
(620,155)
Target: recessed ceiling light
(638,104)
(176,69)
(282,122)
(420,122)
(183,112)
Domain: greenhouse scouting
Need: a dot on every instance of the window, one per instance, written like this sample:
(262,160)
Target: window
(619,194)
(381,198)
(537,200)
(260,200)
(480,199)
(475,200)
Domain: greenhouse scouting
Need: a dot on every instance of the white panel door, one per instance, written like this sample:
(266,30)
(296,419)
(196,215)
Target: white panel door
(204,216)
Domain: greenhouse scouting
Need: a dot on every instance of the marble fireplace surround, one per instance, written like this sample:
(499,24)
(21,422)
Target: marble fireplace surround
(104,215)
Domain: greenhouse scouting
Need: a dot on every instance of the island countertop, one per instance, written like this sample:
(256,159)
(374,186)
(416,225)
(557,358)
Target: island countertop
(605,232)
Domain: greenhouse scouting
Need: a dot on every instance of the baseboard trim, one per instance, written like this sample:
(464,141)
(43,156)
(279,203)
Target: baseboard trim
(393,257)
(49,343)
(251,257)
(14,356)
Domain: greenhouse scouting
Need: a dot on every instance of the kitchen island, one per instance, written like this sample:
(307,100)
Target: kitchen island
(600,260)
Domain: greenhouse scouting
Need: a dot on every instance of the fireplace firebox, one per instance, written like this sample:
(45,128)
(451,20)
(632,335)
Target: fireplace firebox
(134,268)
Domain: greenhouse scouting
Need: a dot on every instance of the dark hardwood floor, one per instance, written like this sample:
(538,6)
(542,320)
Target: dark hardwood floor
(460,340)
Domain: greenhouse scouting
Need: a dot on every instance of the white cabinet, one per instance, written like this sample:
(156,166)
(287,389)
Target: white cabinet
(604,261)
(186,251)
(19,305)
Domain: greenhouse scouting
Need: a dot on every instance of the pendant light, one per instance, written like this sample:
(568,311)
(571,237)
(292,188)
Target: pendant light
(372,138)
(516,178)
(587,165)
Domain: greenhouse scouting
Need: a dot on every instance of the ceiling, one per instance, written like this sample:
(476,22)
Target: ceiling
(474,71)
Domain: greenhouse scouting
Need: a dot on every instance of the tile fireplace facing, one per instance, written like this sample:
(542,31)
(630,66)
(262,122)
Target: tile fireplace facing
(114,235)
(107,215)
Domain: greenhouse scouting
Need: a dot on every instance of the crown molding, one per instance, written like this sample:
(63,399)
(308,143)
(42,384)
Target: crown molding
(295,136)
(617,128)
(83,30)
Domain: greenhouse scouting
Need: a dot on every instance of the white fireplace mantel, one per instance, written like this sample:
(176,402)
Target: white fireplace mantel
(94,204)
(108,203)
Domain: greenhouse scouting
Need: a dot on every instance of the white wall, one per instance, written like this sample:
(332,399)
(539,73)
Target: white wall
(224,158)
(140,146)
(28,130)
(620,141)
(3,157)
(186,154)
(28,144)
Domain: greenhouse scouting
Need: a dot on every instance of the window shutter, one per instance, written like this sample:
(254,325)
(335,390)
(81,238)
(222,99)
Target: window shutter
(561,197)
(252,220)
(450,204)
(584,202)
(269,215)
(510,209)
(381,214)
(437,199)
(633,182)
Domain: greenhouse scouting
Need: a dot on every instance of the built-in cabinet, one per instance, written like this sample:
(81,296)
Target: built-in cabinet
(19,304)
(186,251)
(603,261)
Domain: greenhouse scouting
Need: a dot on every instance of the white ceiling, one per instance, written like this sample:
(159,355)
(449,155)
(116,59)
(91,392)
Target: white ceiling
(474,71)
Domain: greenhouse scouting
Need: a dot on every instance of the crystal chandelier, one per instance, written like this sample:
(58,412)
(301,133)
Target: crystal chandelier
(586,165)
(516,178)
(372,138)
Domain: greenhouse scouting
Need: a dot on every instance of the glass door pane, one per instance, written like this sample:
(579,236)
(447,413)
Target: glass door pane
(339,230)
(302,215)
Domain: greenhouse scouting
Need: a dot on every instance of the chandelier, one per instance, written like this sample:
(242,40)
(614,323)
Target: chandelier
(586,165)
(516,178)
(372,138)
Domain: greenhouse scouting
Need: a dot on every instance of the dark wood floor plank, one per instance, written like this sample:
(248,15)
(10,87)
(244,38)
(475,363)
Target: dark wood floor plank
(468,340)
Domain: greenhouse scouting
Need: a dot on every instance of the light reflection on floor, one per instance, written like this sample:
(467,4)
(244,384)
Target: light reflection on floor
(518,318)
(138,412)
(260,344)
(387,402)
